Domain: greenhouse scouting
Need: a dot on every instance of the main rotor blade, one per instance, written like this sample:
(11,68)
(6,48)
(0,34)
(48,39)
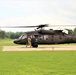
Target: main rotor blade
(61,25)
(39,26)
(17,26)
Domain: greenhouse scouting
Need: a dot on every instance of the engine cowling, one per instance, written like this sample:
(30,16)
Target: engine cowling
(46,31)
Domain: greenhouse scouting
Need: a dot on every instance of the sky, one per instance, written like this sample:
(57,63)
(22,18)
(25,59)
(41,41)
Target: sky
(35,12)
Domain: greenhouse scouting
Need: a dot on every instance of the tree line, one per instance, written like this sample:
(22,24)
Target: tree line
(11,35)
(14,35)
(72,32)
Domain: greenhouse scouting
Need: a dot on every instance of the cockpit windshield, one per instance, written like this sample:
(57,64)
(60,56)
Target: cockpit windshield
(23,36)
(20,37)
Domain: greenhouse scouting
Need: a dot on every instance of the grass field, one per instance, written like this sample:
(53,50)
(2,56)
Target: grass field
(36,62)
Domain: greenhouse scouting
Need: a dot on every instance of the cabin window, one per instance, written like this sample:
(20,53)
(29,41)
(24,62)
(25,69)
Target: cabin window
(40,37)
(45,37)
(31,36)
(34,36)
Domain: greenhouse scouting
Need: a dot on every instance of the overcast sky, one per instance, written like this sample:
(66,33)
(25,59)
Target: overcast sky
(35,12)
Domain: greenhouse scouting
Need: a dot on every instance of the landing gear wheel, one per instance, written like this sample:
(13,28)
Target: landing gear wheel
(35,45)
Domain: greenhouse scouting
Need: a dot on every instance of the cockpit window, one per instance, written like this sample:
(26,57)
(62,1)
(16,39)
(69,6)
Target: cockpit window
(23,36)
(20,37)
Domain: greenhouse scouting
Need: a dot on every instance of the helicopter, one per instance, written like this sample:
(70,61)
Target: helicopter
(42,36)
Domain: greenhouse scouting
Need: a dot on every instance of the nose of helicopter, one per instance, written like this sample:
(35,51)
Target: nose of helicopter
(16,41)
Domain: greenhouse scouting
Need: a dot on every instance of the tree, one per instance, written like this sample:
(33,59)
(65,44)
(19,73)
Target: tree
(13,35)
(74,31)
(2,34)
(69,31)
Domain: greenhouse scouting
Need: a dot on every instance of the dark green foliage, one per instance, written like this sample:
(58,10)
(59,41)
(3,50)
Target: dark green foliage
(13,35)
(70,31)
(10,35)
(74,31)
(2,34)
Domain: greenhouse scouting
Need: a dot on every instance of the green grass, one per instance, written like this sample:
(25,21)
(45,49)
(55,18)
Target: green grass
(7,42)
(36,62)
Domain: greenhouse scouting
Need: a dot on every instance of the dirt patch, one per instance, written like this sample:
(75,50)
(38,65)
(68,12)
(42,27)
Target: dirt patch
(40,48)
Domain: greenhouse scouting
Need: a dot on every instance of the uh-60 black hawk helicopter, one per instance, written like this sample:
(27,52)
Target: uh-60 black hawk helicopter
(42,36)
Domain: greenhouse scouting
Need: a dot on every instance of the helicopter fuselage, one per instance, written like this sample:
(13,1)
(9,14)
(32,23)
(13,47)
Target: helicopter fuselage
(47,37)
